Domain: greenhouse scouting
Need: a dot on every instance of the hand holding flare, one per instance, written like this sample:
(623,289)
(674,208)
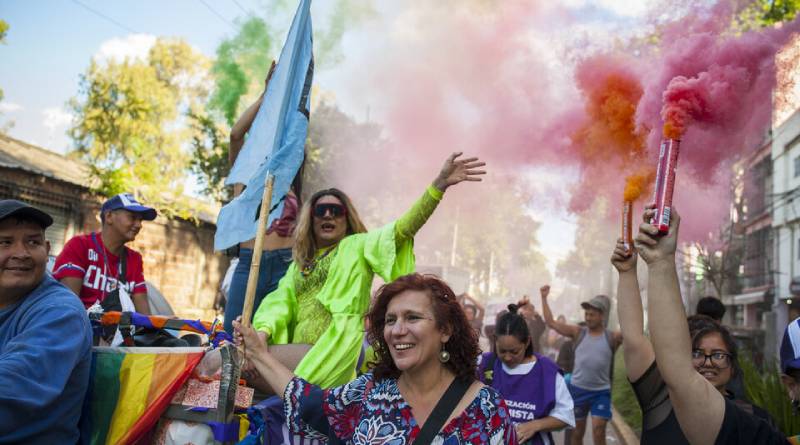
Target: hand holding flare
(634,187)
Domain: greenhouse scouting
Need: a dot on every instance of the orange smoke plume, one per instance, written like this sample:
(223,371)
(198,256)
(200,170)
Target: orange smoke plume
(637,184)
(611,130)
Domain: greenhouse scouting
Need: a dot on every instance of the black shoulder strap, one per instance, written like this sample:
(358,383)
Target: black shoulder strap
(610,340)
(455,392)
(123,267)
(581,336)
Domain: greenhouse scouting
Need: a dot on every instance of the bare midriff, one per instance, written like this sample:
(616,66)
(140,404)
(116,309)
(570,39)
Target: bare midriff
(272,241)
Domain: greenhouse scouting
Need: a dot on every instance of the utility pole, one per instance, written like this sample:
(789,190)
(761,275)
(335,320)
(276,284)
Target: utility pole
(455,239)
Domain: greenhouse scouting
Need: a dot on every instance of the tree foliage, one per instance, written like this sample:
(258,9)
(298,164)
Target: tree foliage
(497,245)
(764,388)
(3,33)
(128,122)
(762,13)
(209,159)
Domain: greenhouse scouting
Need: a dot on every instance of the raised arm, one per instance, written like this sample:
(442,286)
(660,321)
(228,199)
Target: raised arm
(453,171)
(245,121)
(565,329)
(639,353)
(698,406)
(480,310)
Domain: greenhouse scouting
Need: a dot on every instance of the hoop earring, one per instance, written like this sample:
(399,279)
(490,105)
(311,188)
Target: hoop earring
(444,356)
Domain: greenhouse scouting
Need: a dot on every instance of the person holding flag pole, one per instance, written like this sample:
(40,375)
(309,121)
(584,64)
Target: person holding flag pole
(322,299)
(276,250)
(276,127)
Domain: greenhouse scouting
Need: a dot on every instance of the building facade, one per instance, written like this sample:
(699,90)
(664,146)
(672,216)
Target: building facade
(178,254)
(786,221)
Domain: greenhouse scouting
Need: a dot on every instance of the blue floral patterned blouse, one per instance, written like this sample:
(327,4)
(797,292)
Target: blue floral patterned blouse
(366,411)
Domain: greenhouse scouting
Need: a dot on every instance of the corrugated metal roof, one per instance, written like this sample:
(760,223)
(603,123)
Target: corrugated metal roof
(21,155)
(17,154)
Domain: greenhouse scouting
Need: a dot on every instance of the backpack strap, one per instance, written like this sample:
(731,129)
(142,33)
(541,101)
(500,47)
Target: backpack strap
(610,339)
(581,336)
(454,393)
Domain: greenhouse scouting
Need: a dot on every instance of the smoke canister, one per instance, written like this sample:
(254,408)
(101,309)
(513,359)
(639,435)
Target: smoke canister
(665,183)
(627,225)
(660,168)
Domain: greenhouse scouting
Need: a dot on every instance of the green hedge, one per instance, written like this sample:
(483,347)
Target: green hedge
(764,388)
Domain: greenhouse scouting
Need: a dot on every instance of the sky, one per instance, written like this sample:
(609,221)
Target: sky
(50,43)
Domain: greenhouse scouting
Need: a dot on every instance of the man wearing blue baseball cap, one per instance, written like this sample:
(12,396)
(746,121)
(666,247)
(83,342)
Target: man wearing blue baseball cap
(98,267)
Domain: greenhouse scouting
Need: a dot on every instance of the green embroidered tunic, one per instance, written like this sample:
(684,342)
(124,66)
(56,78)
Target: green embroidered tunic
(327,307)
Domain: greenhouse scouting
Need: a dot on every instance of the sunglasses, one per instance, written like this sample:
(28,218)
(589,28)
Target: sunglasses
(336,210)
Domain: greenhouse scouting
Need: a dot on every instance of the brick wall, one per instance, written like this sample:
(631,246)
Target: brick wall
(178,255)
(179,259)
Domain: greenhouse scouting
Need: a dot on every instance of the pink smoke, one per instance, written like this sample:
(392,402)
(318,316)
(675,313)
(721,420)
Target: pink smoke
(470,77)
(719,89)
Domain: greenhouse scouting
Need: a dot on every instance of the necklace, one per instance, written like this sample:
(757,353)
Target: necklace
(309,266)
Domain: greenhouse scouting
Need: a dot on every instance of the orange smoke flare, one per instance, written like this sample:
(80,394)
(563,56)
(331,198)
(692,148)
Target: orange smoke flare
(627,224)
(611,131)
(636,184)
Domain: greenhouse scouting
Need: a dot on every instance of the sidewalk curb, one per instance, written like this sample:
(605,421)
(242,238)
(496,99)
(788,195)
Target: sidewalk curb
(624,431)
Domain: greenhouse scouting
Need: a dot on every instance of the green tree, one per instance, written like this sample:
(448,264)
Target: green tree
(762,13)
(209,159)
(129,122)
(498,246)
(3,33)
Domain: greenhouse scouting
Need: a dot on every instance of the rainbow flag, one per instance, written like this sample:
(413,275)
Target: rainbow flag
(131,388)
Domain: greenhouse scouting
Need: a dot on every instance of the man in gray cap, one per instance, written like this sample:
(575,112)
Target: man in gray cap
(45,336)
(590,383)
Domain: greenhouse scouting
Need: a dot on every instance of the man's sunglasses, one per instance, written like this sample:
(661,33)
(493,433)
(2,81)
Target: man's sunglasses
(336,210)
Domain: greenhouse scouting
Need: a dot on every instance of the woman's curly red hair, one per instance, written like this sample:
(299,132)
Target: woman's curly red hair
(449,317)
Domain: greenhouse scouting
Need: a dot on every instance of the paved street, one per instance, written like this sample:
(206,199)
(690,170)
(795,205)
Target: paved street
(611,437)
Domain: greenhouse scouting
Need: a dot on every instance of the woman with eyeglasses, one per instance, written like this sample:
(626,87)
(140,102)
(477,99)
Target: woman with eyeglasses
(713,356)
(322,299)
(703,414)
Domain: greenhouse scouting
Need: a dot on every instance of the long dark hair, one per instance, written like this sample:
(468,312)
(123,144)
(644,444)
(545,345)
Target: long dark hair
(449,317)
(513,324)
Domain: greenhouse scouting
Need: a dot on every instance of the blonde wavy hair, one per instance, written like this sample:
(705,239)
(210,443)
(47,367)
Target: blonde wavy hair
(305,246)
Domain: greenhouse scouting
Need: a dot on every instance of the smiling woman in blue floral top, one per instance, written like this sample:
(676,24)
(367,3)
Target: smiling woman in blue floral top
(423,343)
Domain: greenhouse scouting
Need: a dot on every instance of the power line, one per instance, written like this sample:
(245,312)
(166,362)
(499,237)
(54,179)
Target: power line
(242,8)
(101,15)
(214,11)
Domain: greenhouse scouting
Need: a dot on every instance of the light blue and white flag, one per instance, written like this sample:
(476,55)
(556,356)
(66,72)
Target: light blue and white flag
(276,140)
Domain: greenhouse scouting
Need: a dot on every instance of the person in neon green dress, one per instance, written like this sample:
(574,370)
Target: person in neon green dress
(322,299)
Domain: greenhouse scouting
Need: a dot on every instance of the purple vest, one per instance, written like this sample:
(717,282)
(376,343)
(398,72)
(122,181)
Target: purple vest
(529,396)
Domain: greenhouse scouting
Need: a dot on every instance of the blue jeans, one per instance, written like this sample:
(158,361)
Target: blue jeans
(273,267)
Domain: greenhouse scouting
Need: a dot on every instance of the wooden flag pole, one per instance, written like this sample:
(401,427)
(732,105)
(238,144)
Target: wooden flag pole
(255,265)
